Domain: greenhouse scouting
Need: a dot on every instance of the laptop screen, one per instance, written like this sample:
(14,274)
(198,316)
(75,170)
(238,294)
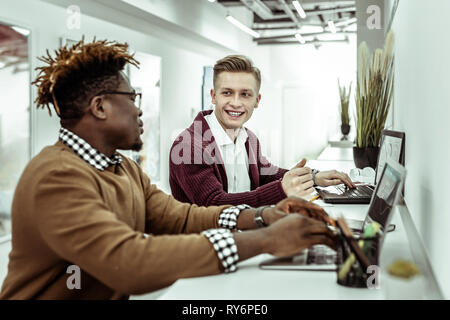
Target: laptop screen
(392,147)
(386,194)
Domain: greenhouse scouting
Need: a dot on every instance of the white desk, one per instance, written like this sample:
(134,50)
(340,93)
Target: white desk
(336,154)
(251,282)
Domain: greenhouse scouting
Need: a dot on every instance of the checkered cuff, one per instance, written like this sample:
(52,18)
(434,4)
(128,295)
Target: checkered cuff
(228,217)
(226,249)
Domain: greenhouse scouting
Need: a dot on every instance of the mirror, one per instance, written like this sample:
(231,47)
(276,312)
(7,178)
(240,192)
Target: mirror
(14,115)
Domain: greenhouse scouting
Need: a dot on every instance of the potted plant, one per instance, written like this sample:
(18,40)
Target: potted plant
(344,107)
(374,91)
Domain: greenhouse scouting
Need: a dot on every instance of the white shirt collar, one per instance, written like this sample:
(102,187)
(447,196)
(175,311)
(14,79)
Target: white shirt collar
(220,134)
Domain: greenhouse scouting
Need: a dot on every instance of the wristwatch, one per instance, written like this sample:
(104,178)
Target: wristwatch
(313,173)
(258,217)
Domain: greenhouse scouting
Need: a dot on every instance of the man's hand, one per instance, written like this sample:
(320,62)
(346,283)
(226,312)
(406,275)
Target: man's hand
(294,205)
(284,237)
(332,178)
(303,207)
(295,233)
(298,181)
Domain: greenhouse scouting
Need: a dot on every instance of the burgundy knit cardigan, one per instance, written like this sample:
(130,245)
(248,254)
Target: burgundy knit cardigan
(200,177)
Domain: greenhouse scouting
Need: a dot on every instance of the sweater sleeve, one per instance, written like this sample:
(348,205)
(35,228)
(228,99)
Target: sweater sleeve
(166,215)
(201,185)
(80,228)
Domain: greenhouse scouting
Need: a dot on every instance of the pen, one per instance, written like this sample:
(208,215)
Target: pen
(370,231)
(315,198)
(352,243)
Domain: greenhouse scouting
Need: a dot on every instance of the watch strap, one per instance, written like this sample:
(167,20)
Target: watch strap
(313,173)
(258,217)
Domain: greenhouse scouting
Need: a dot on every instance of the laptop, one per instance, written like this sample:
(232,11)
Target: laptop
(323,258)
(392,147)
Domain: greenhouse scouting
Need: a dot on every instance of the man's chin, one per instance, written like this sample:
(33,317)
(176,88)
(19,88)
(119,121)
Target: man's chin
(137,146)
(234,125)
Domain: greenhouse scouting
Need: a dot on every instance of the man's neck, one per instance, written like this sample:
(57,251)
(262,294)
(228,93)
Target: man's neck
(232,133)
(95,141)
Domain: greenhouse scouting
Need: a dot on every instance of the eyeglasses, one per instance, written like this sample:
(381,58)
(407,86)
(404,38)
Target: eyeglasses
(135,96)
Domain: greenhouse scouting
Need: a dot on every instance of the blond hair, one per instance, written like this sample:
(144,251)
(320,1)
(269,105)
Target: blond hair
(237,63)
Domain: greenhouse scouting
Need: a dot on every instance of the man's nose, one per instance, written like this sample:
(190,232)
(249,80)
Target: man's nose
(236,101)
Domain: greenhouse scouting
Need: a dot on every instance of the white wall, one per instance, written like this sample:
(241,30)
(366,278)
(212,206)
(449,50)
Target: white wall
(310,95)
(421,110)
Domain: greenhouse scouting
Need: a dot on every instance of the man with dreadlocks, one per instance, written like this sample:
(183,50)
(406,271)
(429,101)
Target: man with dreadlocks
(81,206)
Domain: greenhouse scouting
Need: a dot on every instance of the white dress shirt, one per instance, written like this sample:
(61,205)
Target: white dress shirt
(234,155)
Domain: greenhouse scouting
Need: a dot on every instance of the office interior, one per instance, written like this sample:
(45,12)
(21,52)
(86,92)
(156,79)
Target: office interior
(177,40)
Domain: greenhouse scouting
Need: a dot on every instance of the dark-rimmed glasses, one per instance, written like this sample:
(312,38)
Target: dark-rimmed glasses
(135,96)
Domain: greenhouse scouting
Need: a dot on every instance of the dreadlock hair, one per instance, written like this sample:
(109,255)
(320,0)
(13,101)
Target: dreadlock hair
(76,74)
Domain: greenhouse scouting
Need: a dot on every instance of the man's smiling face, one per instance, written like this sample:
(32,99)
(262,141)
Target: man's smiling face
(235,96)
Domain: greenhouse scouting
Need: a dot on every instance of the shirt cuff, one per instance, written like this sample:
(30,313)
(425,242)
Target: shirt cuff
(228,217)
(225,246)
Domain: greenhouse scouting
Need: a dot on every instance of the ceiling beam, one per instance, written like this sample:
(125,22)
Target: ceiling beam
(331,10)
(259,8)
(289,11)
(287,36)
(315,42)
(238,3)
(269,25)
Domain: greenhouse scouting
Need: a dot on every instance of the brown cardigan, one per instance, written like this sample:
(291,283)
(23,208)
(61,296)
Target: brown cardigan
(66,212)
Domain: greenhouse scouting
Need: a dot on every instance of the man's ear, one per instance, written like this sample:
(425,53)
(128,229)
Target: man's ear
(258,99)
(213,96)
(97,107)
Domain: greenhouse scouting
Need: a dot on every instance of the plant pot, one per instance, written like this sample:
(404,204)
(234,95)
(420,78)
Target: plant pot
(365,157)
(345,129)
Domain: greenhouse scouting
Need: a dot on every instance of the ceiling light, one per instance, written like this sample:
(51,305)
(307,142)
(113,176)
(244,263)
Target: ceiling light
(212,0)
(305,29)
(22,31)
(299,9)
(300,39)
(243,27)
(332,26)
(346,22)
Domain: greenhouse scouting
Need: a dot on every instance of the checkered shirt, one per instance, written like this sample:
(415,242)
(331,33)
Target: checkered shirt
(86,152)
(223,240)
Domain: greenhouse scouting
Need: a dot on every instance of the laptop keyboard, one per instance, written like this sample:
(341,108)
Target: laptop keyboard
(321,254)
(360,191)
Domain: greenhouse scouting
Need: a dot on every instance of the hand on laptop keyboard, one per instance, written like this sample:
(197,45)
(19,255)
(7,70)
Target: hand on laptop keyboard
(333,177)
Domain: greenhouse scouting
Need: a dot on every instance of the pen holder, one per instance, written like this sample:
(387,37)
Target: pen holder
(350,272)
